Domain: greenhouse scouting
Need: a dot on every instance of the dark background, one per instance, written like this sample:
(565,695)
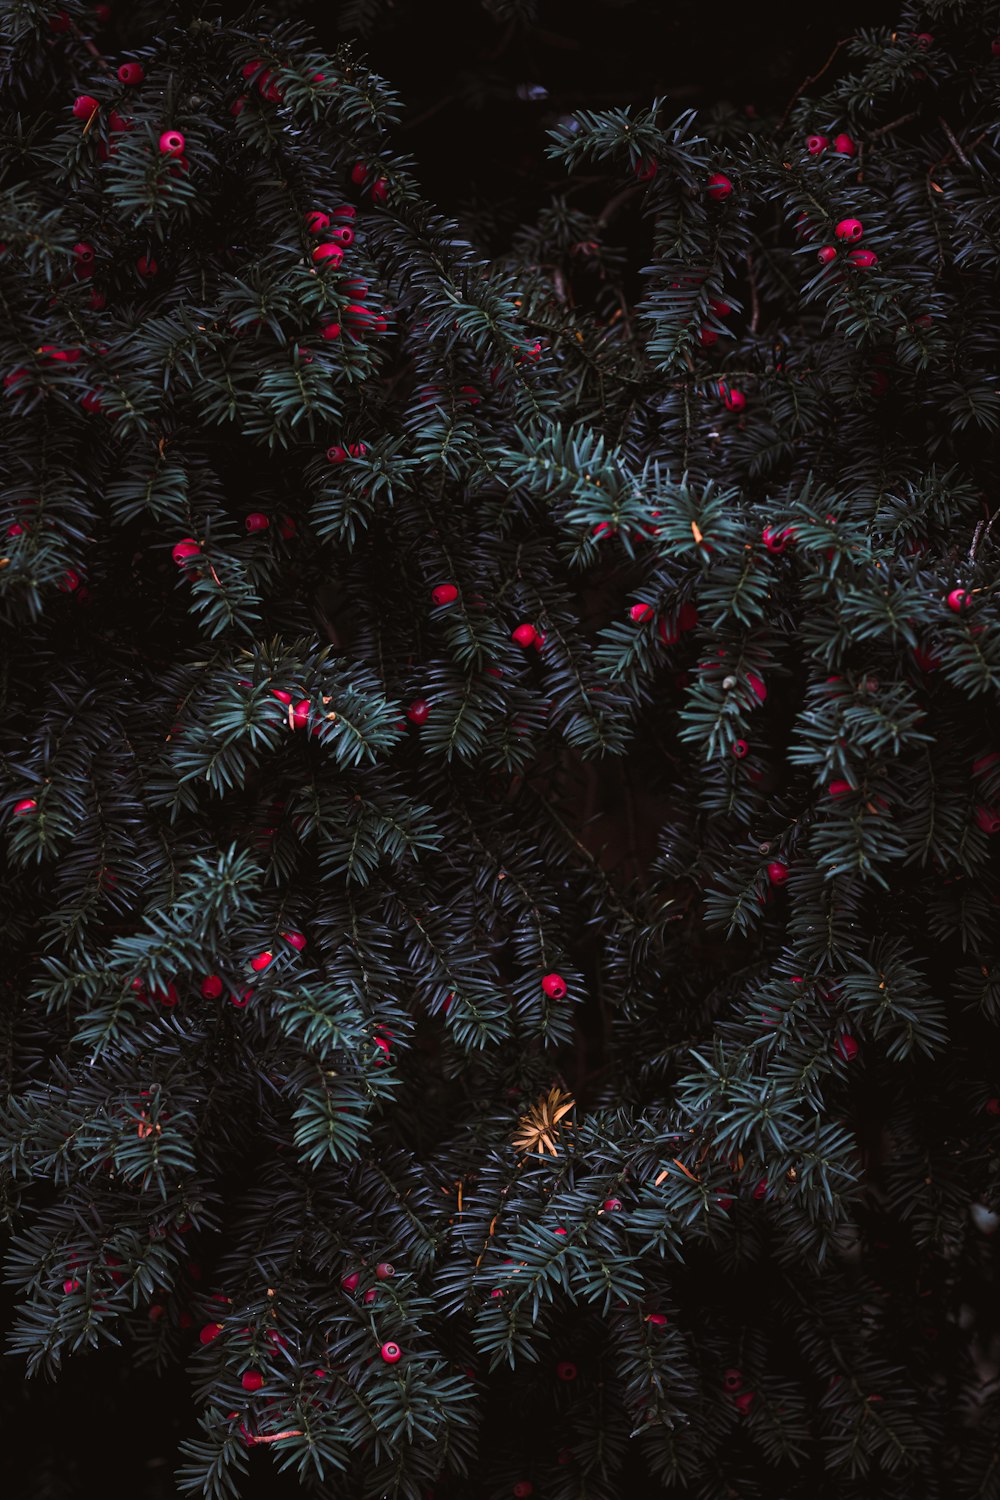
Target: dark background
(458,68)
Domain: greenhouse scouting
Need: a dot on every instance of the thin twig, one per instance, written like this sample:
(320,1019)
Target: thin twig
(98,56)
(894,124)
(754,298)
(954,143)
(983,529)
(813,78)
(614,204)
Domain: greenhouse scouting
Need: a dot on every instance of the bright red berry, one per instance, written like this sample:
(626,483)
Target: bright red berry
(777,873)
(252,1380)
(172,143)
(211,987)
(849,229)
(444,593)
(26,805)
(390,1352)
(524,635)
(185,548)
(847,1048)
(256,521)
(826,255)
(261,961)
(959,600)
(816,143)
(329,252)
(85,106)
(418,711)
(131,74)
(209,1332)
(719,186)
(554,985)
(640,613)
(844,144)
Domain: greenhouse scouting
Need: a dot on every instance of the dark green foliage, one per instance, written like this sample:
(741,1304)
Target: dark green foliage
(751,828)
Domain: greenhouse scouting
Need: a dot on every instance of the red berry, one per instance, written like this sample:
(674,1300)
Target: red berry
(732,1379)
(300,713)
(826,255)
(371,1295)
(646,170)
(863,260)
(211,987)
(744,1401)
(707,337)
(287,528)
(252,1380)
(131,73)
(238,106)
(71,1286)
(60,22)
(357,450)
(83,253)
(988,819)
(444,593)
(146,265)
(658,1320)
(847,1048)
(844,144)
(26,805)
(241,1001)
(91,402)
(740,748)
(839,788)
(687,616)
(102,14)
(344,234)
(164,995)
(71,581)
(329,252)
(261,961)
(384,1270)
(524,635)
(522,1489)
(390,1353)
(721,309)
(993,1106)
(959,600)
(336,454)
(172,143)
(640,613)
(554,985)
(816,143)
(256,521)
(85,106)
(359,172)
(756,686)
(350,1283)
(849,229)
(719,186)
(566,1370)
(612,1205)
(316,222)
(331,331)
(418,711)
(777,873)
(984,762)
(281,695)
(345,211)
(923,40)
(379,191)
(777,541)
(185,548)
(734,399)
(296,939)
(209,1332)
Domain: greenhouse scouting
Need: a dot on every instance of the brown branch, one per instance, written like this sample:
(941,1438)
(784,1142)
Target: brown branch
(614,204)
(954,143)
(813,78)
(754,297)
(98,56)
(893,124)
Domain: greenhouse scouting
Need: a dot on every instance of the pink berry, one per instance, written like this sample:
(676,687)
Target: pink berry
(566,1370)
(740,748)
(959,600)
(849,229)
(329,252)
(330,331)
(707,337)
(316,222)
(646,170)
(744,1401)
(390,1352)
(756,686)
(732,1379)
(350,1283)
(185,548)
(384,1270)
(336,454)
(844,144)
(300,713)
(816,143)
(733,398)
(172,143)
(612,1205)
(146,266)
(658,1320)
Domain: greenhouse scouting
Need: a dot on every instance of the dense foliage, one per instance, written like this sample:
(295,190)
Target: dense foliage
(499,769)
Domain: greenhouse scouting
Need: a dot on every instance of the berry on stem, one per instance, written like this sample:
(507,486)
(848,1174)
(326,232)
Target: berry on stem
(719,186)
(554,985)
(85,106)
